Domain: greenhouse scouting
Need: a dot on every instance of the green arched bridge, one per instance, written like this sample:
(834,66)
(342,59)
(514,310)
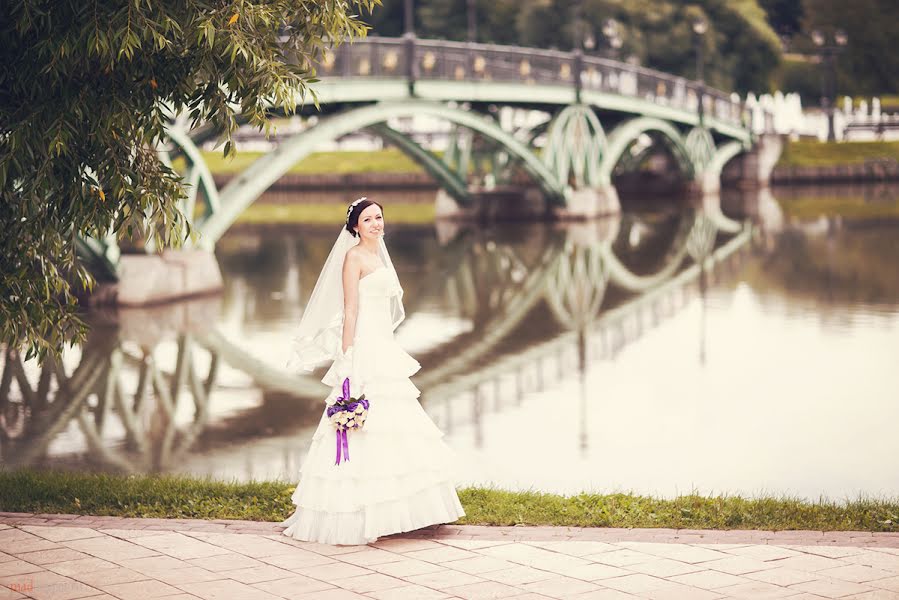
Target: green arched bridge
(599,113)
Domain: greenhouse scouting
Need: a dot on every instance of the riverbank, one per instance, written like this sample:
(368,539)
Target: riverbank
(852,203)
(387,160)
(399,213)
(807,161)
(802,162)
(168,496)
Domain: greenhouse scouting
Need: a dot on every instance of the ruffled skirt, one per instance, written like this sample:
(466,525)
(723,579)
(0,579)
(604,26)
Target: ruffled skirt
(400,473)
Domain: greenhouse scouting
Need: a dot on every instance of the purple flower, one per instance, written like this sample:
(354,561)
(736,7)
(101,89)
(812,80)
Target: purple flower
(345,414)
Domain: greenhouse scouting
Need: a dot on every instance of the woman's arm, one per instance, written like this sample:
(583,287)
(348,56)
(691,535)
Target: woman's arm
(351,271)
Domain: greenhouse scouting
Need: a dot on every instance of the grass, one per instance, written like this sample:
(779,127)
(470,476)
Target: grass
(167,496)
(848,207)
(802,153)
(806,153)
(396,212)
(389,160)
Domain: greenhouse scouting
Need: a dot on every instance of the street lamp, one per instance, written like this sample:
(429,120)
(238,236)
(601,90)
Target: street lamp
(408,17)
(472,21)
(827,53)
(612,32)
(578,49)
(700,27)
(409,42)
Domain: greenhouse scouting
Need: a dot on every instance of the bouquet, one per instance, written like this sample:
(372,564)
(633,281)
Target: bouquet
(345,413)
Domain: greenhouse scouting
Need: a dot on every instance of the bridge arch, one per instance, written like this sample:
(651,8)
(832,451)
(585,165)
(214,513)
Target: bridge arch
(625,278)
(623,135)
(246,188)
(723,155)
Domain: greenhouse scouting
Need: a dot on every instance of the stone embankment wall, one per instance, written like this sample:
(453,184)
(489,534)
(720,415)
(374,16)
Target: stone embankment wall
(871,171)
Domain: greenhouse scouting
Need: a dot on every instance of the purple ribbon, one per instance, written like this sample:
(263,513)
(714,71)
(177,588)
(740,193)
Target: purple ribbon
(342,443)
(345,404)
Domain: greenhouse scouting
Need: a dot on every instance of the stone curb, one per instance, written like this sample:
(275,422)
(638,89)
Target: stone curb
(480,532)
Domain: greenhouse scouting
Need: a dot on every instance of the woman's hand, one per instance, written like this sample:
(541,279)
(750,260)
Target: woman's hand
(343,361)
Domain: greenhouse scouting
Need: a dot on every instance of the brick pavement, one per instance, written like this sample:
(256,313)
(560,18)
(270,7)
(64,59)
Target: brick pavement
(62,557)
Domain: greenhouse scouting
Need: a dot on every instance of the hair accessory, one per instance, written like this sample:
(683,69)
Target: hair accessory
(352,206)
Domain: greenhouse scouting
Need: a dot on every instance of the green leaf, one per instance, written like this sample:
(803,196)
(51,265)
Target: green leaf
(93,62)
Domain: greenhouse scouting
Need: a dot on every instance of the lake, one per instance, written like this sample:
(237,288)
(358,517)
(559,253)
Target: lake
(662,352)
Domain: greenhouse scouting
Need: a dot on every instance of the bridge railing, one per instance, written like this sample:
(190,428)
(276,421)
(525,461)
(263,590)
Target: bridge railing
(461,61)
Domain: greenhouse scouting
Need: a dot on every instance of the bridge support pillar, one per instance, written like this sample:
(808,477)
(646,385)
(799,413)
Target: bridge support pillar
(707,183)
(588,203)
(447,207)
(752,170)
(152,278)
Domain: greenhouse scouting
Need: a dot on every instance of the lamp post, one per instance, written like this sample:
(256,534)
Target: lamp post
(827,53)
(409,43)
(578,53)
(472,21)
(612,32)
(700,27)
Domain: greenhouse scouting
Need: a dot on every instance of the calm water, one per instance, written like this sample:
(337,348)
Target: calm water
(659,353)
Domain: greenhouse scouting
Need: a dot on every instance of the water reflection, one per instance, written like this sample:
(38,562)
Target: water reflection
(621,354)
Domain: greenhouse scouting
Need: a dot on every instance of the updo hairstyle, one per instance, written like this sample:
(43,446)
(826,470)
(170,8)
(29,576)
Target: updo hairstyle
(355,209)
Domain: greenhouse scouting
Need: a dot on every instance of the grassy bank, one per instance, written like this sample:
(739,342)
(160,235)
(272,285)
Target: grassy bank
(185,497)
(806,153)
(389,160)
(802,153)
(394,212)
(852,208)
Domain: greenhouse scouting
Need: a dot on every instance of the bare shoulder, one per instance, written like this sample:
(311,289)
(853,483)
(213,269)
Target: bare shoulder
(353,260)
(353,252)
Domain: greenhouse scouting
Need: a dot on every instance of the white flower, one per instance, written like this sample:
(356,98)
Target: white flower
(350,424)
(359,409)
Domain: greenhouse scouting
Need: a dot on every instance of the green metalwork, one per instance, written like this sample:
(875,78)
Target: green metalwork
(438,169)
(700,148)
(97,388)
(577,152)
(353,91)
(575,145)
(244,189)
(723,155)
(458,151)
(623,135)
(197,175)
(623,277)
(577,286)
(701,240)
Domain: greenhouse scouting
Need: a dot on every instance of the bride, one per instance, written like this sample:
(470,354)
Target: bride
(399,476)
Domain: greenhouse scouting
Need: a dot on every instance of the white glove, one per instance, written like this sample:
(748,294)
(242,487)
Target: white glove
(344,362)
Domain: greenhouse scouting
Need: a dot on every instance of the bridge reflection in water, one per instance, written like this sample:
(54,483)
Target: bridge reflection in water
(196,387)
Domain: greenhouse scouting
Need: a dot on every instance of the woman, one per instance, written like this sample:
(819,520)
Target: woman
(398,477)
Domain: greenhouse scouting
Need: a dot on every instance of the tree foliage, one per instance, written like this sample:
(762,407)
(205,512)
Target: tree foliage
(870,63)
(86,88)
(785,16)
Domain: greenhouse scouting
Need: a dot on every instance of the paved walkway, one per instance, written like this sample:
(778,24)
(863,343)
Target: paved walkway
(59,557)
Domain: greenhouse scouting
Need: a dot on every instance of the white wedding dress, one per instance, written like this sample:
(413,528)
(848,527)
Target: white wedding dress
(400,473)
